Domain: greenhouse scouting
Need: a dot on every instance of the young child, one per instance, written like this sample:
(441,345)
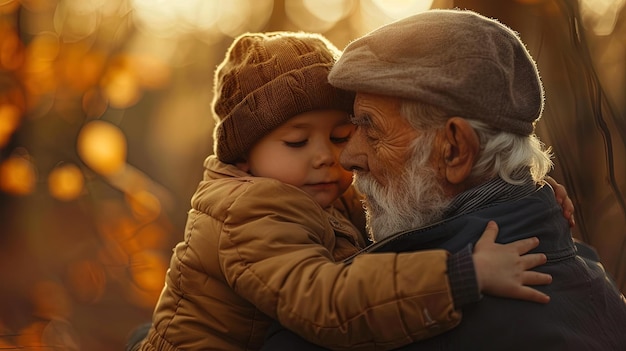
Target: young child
(275,215)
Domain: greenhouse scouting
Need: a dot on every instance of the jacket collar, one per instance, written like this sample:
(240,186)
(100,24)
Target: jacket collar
(491,192)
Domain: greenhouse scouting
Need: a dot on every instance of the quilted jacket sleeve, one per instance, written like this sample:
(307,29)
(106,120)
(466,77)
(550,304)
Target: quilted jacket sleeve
(273,251)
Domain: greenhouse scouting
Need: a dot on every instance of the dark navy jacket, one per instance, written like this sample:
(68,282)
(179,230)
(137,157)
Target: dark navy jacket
(586,311)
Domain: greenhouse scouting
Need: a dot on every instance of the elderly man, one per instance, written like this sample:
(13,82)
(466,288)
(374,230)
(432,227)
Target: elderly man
(445,111)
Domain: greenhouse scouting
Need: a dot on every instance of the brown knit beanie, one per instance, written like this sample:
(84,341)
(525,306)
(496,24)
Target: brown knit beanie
(467,64)
(267,78)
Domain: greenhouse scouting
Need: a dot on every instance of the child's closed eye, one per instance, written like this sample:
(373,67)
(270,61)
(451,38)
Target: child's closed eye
(296,144)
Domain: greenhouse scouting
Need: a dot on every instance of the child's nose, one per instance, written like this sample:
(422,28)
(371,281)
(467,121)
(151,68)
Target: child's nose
(326,156)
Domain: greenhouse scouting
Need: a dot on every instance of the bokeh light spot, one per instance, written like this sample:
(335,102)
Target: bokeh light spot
(148,270)
(66,182)
(17,175)
(396,9)
(11,49)
(75,23)
(152,72)
(44,47)
(601,15)
(145,205)
(79,69)
(328,10)
(171,19)
(121,87)
(310,16)
(10,117)
(102,146)
(152,236)
(41,54)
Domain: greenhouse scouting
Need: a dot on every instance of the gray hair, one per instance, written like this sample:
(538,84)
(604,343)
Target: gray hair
(505,154)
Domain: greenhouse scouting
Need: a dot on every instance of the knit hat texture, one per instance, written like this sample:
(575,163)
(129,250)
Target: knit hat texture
(264,80)
(467,64)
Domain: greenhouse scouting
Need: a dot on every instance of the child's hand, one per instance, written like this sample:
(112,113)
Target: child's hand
(503,270)
(561,197)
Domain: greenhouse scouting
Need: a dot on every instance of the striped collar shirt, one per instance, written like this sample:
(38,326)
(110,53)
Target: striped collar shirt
(492,192)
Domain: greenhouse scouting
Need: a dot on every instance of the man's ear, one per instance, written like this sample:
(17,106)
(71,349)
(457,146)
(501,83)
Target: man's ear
(461,151)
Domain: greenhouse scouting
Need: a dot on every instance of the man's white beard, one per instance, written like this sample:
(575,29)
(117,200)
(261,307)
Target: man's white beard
(413,198)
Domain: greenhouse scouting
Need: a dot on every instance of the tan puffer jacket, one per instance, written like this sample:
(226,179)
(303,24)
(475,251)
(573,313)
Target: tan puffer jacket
(256,249)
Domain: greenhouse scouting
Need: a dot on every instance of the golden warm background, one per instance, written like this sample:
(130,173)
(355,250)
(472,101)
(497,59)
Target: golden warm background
(105,120)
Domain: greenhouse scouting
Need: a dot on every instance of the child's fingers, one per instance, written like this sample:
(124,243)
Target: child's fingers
(490,234)
(536,278)
(533,260)
(530,294)
(524,245)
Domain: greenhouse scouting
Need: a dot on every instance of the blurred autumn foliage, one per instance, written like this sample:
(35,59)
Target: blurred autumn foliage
(105,120)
